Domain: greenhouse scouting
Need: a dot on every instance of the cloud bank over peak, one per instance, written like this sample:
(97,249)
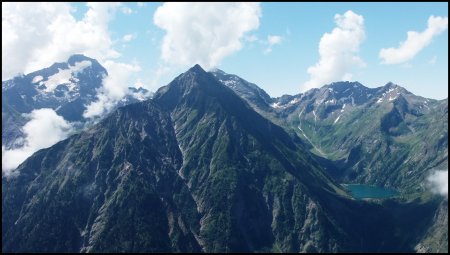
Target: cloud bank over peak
(36,35)
(204,33)
(338,51)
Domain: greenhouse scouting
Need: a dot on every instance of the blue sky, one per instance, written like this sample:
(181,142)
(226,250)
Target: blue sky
(298,27)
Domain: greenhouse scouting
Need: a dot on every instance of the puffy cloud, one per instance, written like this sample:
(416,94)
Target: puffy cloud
(415,42)
(204,33)
(438,182)
(272,40)
(128,37)
(140,84)
(35,35)
(115,87)
(44,129)
(338,51)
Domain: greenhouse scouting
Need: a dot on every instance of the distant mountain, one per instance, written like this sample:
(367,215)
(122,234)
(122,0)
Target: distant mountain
(385,136)
(195,169)
(66,87)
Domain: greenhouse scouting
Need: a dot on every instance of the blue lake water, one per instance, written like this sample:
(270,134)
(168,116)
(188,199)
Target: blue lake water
(361,191)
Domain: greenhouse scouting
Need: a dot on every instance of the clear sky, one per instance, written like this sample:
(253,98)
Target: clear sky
(285,48)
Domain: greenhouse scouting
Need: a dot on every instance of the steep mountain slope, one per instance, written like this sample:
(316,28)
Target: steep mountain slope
(242,169)
(253,94)
(107,189)
(194,169)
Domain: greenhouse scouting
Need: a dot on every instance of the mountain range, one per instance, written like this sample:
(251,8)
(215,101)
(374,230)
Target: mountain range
(212,163)
(385,136)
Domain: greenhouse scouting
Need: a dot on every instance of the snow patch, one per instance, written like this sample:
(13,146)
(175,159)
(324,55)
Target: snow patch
(140,96)
(63,76)
(37,79)
(337,119)
(293,101)
(276,105)
(229,83)
(332,101)
(392,98)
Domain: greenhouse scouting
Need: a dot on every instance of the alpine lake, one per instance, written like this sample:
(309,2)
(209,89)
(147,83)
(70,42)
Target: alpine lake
(363,191)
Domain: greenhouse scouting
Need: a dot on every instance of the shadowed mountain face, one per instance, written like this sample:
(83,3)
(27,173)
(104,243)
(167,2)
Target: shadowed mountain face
(195,169)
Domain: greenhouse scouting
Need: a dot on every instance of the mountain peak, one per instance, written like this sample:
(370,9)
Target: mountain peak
(217,71)
(391,84)
(78,58)
(345,84)
(196,69)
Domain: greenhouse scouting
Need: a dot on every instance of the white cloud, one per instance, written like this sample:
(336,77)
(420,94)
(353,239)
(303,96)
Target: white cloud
(115,87)
(438,182)
(44,129)
(35,35)
(140,84)
(338,51)
(272,40)
(128,37)
(140,4)
(415,42)
(204,33)
(127,10)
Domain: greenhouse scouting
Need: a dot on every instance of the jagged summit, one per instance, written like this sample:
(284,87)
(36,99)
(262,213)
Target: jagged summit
(78,58)
(197,69)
